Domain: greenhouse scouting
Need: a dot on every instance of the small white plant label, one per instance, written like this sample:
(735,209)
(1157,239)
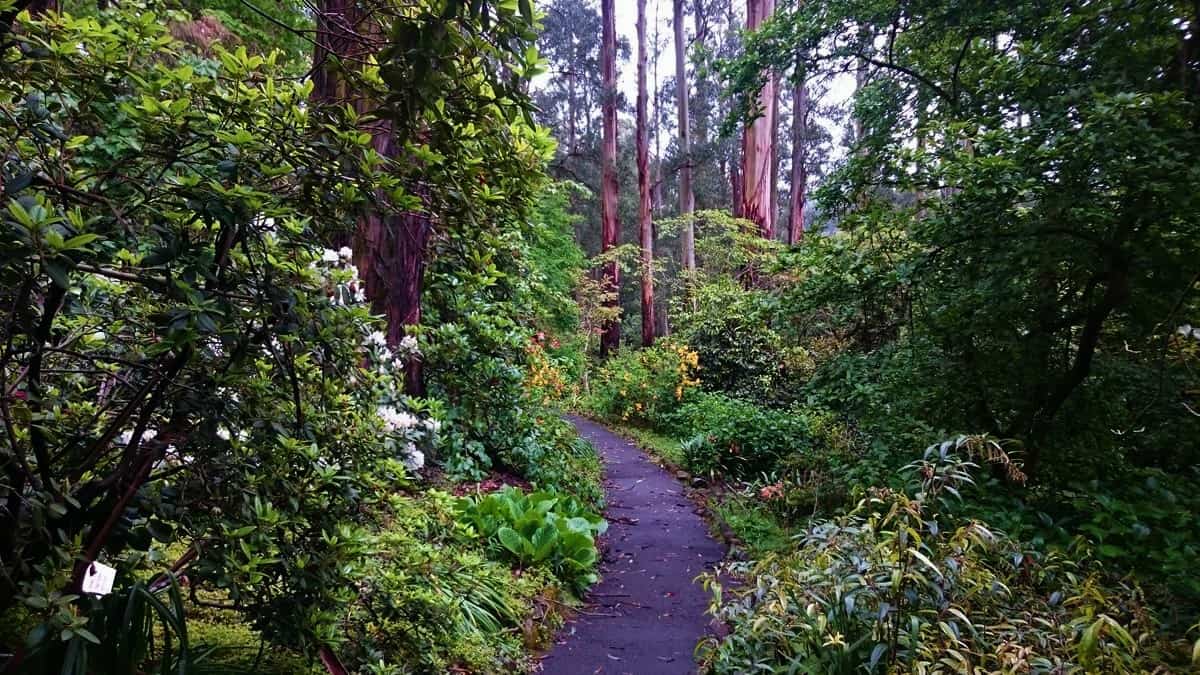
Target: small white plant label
(99,579)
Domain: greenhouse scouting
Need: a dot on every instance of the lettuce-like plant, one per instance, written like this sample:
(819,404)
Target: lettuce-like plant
(539,528)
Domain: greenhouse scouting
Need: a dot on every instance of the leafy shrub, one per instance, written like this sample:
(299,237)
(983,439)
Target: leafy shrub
(554,370)
(1142,520)
(740,353)
(193,367)
(737,438)
(433,599)
(553,457)
(143,623)
(642,386)
(190,374)
(896,587)
(803,485)
(540,528)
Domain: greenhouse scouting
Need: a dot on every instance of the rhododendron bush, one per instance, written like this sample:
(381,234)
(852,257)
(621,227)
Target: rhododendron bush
(192,378)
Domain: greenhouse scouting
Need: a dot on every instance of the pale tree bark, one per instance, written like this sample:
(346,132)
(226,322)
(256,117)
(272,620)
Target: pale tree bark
(757,144)
(645,226)
(610,229)
(656,189)
(799,167)
(687,200)
(774,187)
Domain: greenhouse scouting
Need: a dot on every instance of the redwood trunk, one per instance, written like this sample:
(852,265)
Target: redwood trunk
(389,249)
(799,167)
(687,200)
(645,229)
(610,229)
(757,144)
(774,184)
(735,181)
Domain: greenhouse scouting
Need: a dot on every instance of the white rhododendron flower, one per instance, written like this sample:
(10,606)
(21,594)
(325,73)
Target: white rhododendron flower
(377,338)
(408,344)
(396,420)
(413,459)
(433,425)
(329,255)
(127,435)
(345,253)
(223,433)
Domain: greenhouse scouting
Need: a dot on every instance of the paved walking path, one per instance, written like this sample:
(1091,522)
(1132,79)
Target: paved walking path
(646,614)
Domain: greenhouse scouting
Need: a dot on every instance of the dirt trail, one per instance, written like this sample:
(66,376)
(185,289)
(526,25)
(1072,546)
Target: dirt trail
(646,615)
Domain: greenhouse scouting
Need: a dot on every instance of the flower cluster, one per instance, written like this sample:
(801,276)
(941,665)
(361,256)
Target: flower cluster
(340,276)
(771,492)
(547,380)
(407,431)
(689,363)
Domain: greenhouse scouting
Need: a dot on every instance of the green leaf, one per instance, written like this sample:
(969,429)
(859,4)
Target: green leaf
(59,273)
(80,241)
(544,540)
(514,542)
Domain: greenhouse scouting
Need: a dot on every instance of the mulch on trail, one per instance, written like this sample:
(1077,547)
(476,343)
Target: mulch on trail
(646,615)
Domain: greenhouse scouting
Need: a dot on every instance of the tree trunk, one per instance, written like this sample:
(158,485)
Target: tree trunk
(774,188)
(645,228)
(735,180)
(571,113)
(336,38)
(389,249)
(799,168)
(757,144)
(610,229)
(656,190)
(687,200)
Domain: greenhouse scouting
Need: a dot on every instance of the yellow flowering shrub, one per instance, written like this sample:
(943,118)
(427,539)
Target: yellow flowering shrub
(548,379)
(640,386)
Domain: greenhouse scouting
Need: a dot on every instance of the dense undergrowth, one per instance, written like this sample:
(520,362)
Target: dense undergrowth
(1004,259)
(201,392)
(286,338)
(805,379)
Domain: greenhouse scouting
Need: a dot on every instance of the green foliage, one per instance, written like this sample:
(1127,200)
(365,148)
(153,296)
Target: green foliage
(728,325)
(897,586)
(1042,268)
(555,259)
(190,366)
(644,386)
(187,372)
(555,458)
(143,623)
(539,529)
(735,438)
(433,600)
(1144,522)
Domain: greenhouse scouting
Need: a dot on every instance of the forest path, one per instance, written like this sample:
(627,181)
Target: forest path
(646,614)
